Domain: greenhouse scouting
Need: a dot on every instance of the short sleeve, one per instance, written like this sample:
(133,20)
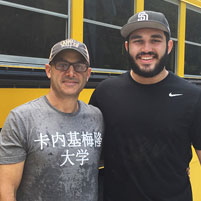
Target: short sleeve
(12,143)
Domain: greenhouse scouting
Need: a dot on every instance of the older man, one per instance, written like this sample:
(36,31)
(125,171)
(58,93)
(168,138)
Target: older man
(50,147)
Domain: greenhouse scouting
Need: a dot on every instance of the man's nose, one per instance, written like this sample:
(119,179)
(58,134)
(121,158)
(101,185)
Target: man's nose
(147,47)
(70,72)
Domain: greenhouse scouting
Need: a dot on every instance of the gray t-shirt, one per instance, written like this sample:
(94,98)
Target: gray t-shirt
(61,151)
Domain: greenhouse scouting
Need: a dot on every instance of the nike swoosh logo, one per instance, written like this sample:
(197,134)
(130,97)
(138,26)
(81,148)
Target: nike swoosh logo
(173,95)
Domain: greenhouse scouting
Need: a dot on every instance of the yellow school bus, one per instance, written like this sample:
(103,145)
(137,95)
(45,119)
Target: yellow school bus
(30,28)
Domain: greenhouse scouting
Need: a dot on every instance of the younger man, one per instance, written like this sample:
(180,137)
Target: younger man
(152,117)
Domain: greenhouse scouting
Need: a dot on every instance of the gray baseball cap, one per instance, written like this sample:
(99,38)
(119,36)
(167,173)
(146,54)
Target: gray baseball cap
(69,44)
(145,19)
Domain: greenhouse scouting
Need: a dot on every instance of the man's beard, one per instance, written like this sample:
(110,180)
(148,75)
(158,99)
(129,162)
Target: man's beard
(157,69)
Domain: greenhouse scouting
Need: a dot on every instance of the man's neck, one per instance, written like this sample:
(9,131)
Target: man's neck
(149,80)
(66,105)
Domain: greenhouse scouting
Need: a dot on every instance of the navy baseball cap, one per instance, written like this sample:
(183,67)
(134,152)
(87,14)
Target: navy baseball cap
(146,19)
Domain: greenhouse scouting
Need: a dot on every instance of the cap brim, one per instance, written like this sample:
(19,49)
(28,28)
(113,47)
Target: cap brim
(127,29)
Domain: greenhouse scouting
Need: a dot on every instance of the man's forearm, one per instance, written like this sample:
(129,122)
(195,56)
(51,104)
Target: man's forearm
(7,194)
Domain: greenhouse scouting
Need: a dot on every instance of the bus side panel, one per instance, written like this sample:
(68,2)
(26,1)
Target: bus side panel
(195,177)
(13,97)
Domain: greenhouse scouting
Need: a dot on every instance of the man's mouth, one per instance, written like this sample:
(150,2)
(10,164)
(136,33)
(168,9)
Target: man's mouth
(70,82)
(147,56)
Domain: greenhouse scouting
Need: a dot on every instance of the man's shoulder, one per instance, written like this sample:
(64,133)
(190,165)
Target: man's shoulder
(185,84)
(90,108)
(28,106)
(91,112)
(113,81)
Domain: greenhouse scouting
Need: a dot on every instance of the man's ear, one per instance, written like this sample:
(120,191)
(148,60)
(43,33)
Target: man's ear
(126,45)
(88,73)
(170,46)
(48,70)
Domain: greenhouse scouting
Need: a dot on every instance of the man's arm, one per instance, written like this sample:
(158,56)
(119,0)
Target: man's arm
(10,178)
(198,152)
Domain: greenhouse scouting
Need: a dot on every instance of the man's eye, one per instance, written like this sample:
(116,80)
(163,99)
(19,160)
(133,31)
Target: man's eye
(78,65)
(63,64)
(156,41)
(137,41)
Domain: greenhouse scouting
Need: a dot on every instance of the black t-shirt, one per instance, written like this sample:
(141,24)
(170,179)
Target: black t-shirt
(149,130)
